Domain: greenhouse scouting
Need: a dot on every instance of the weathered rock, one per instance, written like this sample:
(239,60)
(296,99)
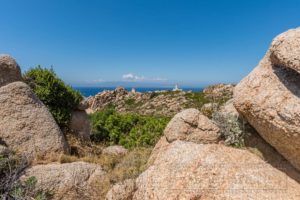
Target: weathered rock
(115,150)
(77,180)
(186,170)
(191,125)
(26,125)
(160,146)
(228,108)
(9,70)
(285,49)
(269,99)
(122,191)
(83,105)
(219,92)
(80,124)
(209,108)
(159,103)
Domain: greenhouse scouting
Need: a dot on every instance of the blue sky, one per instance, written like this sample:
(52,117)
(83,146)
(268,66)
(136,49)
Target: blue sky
(107,42)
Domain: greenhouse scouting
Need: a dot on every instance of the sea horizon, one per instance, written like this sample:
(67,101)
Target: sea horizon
(87,91)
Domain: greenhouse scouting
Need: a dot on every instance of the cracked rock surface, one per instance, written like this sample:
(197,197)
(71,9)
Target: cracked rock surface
(191,125)
(269,96)
(69,180)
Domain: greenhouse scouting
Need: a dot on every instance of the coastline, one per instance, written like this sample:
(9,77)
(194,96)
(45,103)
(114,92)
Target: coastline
(92,91)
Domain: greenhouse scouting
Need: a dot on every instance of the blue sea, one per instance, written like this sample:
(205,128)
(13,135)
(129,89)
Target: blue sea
(91,91)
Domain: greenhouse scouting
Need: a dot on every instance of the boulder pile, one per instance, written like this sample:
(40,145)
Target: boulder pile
(181,169)
(148,103)
(26,125)
(269,97)
(191,125)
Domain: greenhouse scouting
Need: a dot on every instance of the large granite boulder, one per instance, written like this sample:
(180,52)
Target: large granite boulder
(285,49)
(122,191)
(269,96)
(77,180)
(191,125)
(80,124)
(115,150)
(26,125)
(186,170)
(9,70)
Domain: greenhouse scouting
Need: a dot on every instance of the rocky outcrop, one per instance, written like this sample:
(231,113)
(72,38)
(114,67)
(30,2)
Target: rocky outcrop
(285,50)
(115,150)
(164,103)
(10,70)
(229,109)
(83,105)
(122,191)
(80,124)
(77,180)
(186,170)
(219,92)
(26,126)
(191,125)
(269,96)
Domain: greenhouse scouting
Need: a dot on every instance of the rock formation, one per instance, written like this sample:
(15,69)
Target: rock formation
(191,125)
(269,96)
(180,169)
(149,103)
(115,150)
(9,70)
(122,191)
(80,124)
(185,170)
(219,92)
(77,180)
(26,126)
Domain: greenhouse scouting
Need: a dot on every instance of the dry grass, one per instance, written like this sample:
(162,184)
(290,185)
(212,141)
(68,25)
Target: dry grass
(133,164)
(118,168)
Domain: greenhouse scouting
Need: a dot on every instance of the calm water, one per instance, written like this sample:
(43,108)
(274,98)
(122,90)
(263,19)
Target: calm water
(91,91)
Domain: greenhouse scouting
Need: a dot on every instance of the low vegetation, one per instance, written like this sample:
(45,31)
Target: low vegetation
(60,98)
(196,100)
(127,129)
(233,129)
(118,167)
(11,168)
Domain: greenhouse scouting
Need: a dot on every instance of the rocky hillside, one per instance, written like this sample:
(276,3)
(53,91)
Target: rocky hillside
(159,103)
(222,158)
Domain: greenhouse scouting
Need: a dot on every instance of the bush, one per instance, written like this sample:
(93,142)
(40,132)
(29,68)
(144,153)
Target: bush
(233,129)
(11,168)
(196,99)
(60,98)
(127,129)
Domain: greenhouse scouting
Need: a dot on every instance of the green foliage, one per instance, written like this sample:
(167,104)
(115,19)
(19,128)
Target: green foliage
(232,128)
(27,190)
(11,168)
(196,99)
(127,129)
(60,98)
(130,101)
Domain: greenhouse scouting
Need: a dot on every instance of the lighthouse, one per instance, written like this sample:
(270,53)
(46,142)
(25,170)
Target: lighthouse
(176,88)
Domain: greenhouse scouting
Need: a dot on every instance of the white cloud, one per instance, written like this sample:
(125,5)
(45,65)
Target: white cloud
(133,77)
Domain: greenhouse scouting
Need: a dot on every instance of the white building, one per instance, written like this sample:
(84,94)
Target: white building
(176,88)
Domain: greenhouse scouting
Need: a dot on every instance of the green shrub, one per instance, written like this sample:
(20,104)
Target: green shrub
(127,129)
(130,102)
(11,169)
(60,98)
(196,99)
